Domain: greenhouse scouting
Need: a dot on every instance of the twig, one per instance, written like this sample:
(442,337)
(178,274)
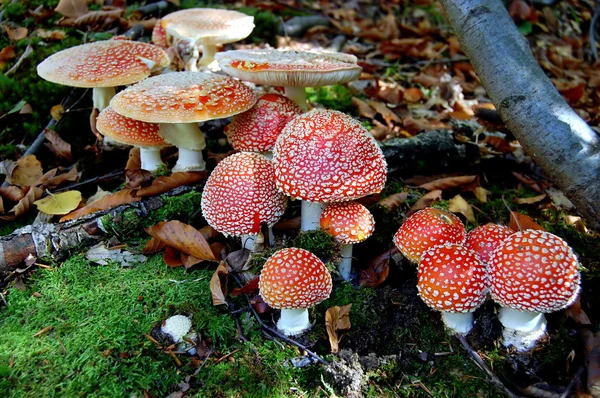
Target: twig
(482,365)
(592,34)
(28,51)
(226,356)
(90,181)
(377,62)
(3,299)
(572,383)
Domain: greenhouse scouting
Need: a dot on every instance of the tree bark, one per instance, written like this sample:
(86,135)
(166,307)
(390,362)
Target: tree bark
(564,146)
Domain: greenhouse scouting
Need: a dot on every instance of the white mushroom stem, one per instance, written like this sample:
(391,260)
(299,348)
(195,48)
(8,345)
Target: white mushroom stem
(208,54)
(522,329)
(459,323)
(150,157)
(345,265)
(298,95)
(293,321)
(101,97)
(188,138)
(311,215)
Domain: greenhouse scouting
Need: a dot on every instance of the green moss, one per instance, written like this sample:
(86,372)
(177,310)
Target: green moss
(318,242)
(266,24)
(361,313)
(336,97)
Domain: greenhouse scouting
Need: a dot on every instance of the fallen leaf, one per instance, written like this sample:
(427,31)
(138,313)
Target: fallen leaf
(520,222)
(57,145)
(237,260)
(189,261)
(17,33)
(528,181)
(57,111)
(116,199)
(1,205)
(166,183)
(388,115)
(7,54)
(393,201)
(134,161)
(7,167)
(100,254)
(363,108)
(172,257)
(459,205)
(26,110)
(138,178)
(72,8)
(481,194)
(413,95)
(577,314)
(182,237)
(558,198)
(24,205)
(259,305)
(285,225)
(13,193)
(250,288)
(337,318)
(50,180)
(377,269)
(425,201)
(575,221)
(100,193)
(153,245)
(27,172)
(218,284)
(380,131)
(448,183)
(529,201)
(60,203)
(208,232)
(51,35)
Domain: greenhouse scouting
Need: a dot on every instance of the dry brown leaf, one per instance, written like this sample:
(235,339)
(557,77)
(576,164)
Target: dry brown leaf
(189,261)
(576,313)
(27,172)
(57,145)
(172,257)
(481,194)
(208,232)
(51,180)
(250,288)
(1,205)
(520,222)
(448,183)
(153,245)
(51,35)
(337,318)
(425,201)
(26,110)
(380,131)
(7,167)
(413,95)
(284,225)
(166,183)
(182,237)
(138,178)
(388,115)
(57,112)
(529,201)
(459,205)
(12,193)
(134,161)
(96,20)
(363,108)
(7,54)
(72,8)
(116,199)
(218,284)
(217,248)
(16,34)
(24,205)
(528,181)
(377,270)
(393,201)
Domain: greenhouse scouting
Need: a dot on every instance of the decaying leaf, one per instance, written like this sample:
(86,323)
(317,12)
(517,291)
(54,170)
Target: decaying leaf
(7,167)
(116,199)
(388,115)
(250,288)
(72,8)
(100,254)
(377,270)
(27,172)
(520,222)
(166,183)
(57,111)
(24,205)
(60,203)
(172,257)
(481,194)
(100,193)
(12,193)
(425,201)
(51,180)
(57,145)
(292,223)
(51,35)
(16,34)
(363,108)
(182,237)
(138,178)
(529,201)
(337,318)
(459,205)
(393,201)
(448,183)
(153,245)
(218,284)
(134,161)
(7,53)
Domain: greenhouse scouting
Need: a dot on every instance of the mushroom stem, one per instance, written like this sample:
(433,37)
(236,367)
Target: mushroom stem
(101,97)
(248,242)
(150,157)
(298,95)
(189,160)
(293,321)
(522,329)
(458,322)
(345,265)
(190,141)
(208,54)
(311,215)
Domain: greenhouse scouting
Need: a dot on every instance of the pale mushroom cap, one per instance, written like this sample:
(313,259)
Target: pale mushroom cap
(159,35)
(107,63)
(451,278)
(176,326)
(184,97)
(348,222)
(208,25)
(294,278)
(327,156)
(240,194)
(484,239)
(534,271)
(257,129)
(290,68)
(128,131)
(428,228)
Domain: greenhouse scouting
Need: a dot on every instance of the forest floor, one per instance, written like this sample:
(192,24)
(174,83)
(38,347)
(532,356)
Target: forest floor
(74,327)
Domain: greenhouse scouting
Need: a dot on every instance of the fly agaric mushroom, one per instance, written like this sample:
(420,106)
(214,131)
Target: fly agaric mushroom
(348,223)
(257,129)
(484,239)
(178,101)
(293,70)
(294,280)
(428,228)
(207,27)
(452,279)
(240,195)
(134,132)
(327,156)
(531,273)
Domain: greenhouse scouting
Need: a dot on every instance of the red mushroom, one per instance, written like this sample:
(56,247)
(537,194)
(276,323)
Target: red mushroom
(452,279)
(293,280)
(484,239)
(531,273)
(349,223)
(327,156)
(428,228)
(240,195)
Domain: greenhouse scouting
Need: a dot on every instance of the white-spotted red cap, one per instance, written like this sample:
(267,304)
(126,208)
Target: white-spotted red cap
(327,156)
(107,63)
(208,25)
(484,239)
(347,222)
(428,228)
(451,278)
(290,68)
(241,194)
(184,97)
(257,129)
(128,131)
(534,271)
(294,278)
(159,35)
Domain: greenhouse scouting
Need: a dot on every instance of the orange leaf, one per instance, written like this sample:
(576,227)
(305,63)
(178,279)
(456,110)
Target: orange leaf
(172,257)
(520,222)
(182,237)
(153,245)
(425,201)
(51,180)
(393,201)
(134,161)
(13,193)
(377,270)
(60,147)
(363,108)
(250,288)
(337,318)
(165,184)
(17,33)
(388,115)
(218,284)
(7,54)
(413,95)
(189,261)
(448,183)
(116,199)
(24,205)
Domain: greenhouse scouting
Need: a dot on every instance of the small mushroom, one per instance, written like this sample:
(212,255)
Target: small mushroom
(294,280)
(452,279)
(484,239)
(348,223)
(532,273)
(176,327)
(428,228)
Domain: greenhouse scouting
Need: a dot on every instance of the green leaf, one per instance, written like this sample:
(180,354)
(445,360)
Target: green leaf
(17,107)
(525,28)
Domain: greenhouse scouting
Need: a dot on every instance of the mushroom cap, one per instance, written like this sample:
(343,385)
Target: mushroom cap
(294,278)
(534,271)
(451,278)
(208,25)
(428,228)
(184,97)
(159,35)
(484,239)
(240,194)
(128,131)
(327,156)
(176,326)
(257,129)
(107,63)
(348,222)
(290,68)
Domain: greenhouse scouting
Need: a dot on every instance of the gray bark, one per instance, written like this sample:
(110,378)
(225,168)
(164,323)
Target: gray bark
(564,146)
